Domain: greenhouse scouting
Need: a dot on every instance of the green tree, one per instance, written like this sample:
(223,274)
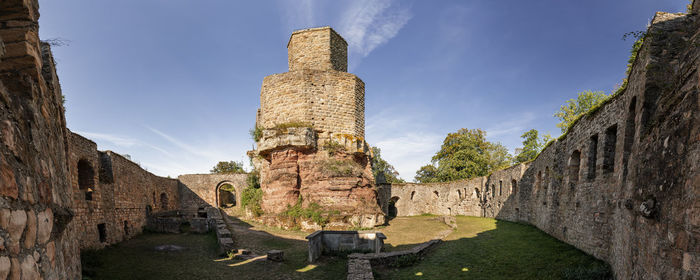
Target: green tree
(574,108)
(426,174)
(381,167)
(464,154)
(227,167)
(532,145)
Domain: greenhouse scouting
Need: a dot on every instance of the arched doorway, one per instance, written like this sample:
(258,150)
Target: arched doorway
(226,195)
(392,211)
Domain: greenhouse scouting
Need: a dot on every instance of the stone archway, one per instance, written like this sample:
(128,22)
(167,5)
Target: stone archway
(227,195)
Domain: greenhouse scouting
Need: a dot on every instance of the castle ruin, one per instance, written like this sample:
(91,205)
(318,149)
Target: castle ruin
(312,148)
(622,185)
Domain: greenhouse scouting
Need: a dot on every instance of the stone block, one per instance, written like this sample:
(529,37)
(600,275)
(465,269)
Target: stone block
(45,225)
(275,255)
(199,225)
(18,221)
(4,267)
(30,233)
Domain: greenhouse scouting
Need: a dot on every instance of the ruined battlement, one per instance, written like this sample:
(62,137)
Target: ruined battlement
(319,48)
(316,91)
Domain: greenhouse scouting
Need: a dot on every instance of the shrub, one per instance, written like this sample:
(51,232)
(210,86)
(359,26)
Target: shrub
(251,198)
(341,168)
(253,179)
(256,133)
(333,147)
(314,213)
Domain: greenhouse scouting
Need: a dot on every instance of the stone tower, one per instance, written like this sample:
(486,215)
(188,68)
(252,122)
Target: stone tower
(312,149)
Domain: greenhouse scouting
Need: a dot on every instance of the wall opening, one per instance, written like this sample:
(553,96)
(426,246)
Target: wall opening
(164,201)
(592,153)
(126,228)
(86,178)
(609,152)
(493,190)
(513,186)
(476,193)
(154,198)
(538,181)
(574,164)
(545,180)
(459,194)
(102,232)
(392,207)
(227,196)
(500,187)
(412,194)
(630,131)
(437,194)
(105,176)
(149,209)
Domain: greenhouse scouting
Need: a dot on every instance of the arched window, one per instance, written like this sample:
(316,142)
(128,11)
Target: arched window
(459,194)
(476,193)
(609,153)
(227,196)
(630,130)
(513,186)
(164,201)
(574,164)
(86,178)
(412,194)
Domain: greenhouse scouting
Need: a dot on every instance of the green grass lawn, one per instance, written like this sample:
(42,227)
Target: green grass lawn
(480,248)
(137,259)
(484,248)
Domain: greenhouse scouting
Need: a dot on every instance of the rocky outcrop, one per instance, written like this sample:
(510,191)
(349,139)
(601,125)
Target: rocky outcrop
(311,149)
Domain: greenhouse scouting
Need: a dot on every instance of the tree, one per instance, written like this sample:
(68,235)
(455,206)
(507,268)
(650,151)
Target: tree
(381,167)
(464,154)
(426,174)
(532,145)
(574,108)
(227,167)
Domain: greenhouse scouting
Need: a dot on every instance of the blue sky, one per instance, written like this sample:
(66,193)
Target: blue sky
(175,84)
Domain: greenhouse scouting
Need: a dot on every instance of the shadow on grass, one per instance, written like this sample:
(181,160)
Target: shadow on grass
(138,259)
(483,248)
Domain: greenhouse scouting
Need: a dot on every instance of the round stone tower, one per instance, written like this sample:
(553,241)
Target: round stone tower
(311,149)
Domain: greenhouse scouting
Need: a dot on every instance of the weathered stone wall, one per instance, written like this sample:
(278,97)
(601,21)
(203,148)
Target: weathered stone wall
(326,163)
(113,195)
(623,183)
(318,48)
(199,191)
(37,239)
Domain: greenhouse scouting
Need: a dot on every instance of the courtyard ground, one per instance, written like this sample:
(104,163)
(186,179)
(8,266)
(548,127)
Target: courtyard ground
(480,248)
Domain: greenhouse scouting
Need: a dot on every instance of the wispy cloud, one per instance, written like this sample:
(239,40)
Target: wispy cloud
(406,140)
(122,141)
(365,24)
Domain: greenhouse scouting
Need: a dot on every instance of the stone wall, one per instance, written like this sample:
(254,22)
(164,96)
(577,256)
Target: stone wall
(323,160)
(318,48)
(316,90)
(113,195)
(37,239)
(199,191)
(622,184)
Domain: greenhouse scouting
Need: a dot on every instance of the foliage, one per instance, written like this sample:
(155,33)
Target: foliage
(256,133)
(427,174)
(532,145)
(340,168)
(228,188)
(251,199)
(314,212)
(639,36)
(464,154)
(285,126)
(569,113)
(228,167)
(381,166)
(253,179)
(333,147)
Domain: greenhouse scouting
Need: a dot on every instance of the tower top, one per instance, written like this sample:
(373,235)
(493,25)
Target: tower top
(319,48)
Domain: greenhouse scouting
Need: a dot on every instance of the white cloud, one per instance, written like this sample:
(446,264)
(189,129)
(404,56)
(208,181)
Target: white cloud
(405,139)
(121,141)
(365,24)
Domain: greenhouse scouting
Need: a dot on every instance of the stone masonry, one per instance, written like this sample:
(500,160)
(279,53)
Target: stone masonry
(312,147)
(622,185)
(37,238)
